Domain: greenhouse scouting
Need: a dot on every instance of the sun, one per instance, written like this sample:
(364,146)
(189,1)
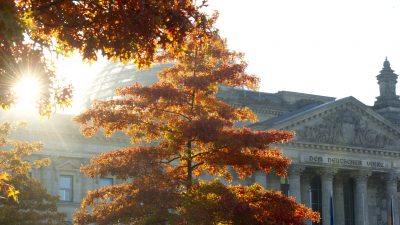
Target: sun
(27,90)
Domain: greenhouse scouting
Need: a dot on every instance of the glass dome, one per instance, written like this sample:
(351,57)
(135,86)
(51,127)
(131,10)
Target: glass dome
(116,75)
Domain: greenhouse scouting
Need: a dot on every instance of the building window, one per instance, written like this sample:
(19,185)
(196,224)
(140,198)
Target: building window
(103,182)
(285,186)
(348,196)
(316,197)
(65,188)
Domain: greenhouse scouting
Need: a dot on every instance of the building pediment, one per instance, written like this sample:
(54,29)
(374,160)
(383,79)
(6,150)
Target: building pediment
(67,165)
(345,127)
(346,122)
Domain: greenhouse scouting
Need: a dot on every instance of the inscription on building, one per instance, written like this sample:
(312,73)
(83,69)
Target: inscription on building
(344,161)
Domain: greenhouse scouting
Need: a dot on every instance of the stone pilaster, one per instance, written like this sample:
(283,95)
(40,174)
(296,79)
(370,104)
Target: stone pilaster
(361,198)
(391,196)
(87,185)
(338,201)
(78,191)
(294,181)
(47,179)
(327,175)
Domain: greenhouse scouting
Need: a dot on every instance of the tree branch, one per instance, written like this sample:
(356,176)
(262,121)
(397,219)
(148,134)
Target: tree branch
(197,165)
(44,7)
(200,153)
(170,160)
(172,112)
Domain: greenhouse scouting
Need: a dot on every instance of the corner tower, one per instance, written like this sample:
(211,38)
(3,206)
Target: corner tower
(388,103)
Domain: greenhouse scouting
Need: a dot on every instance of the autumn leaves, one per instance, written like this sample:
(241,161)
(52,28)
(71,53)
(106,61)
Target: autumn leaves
(182,131)
(179,129)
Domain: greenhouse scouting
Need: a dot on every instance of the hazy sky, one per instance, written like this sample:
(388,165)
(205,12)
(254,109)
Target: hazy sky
(331,48)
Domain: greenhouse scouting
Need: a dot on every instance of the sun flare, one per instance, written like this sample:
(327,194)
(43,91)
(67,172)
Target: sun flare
(27,91)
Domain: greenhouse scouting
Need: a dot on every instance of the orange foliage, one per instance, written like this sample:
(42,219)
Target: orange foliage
(191,132)
(241,206)
(123,30)
(13,162)
(19,56)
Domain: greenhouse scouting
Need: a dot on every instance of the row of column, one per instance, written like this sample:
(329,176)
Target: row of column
(299,187)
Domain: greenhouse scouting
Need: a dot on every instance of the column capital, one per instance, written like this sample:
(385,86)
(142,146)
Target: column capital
(306,176)
(339,178)
(328,173)
(391,176)
(296,169)
(361,176)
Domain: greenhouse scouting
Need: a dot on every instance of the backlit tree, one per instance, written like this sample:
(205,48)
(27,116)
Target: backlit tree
(123,30)
(35,205)
(20,58)
(180,131)
(23,200)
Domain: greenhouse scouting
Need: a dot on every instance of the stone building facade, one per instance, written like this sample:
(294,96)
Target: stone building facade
(345,157)
(68,150)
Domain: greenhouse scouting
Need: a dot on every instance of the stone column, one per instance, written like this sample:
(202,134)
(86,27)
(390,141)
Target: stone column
(305,186)
(391,196)
(261,178)
(338,201)
(327,175)
(273,182)
(361,198)
(294,181)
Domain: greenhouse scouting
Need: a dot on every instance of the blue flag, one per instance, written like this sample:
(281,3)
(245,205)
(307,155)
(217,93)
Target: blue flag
(331,211)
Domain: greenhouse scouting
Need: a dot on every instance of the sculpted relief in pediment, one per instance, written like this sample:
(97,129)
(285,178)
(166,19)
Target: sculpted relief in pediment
(345,127)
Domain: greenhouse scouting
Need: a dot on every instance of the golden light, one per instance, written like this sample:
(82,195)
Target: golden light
(27,91)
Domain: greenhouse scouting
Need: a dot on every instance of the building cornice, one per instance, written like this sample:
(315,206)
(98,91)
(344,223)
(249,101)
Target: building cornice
(343,149)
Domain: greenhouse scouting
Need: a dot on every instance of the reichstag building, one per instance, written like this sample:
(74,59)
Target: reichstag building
(344,150)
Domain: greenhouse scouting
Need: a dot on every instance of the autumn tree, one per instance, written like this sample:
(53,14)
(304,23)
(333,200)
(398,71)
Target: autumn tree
(123,30)
(180,131)
(20,57)
(23,200)
(35,205)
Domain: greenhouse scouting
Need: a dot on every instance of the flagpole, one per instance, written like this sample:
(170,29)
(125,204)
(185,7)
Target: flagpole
(391,210)
(310,195)
(332,210)
(363,208)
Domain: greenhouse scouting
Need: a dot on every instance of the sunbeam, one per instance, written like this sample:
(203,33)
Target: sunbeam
(27,90)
